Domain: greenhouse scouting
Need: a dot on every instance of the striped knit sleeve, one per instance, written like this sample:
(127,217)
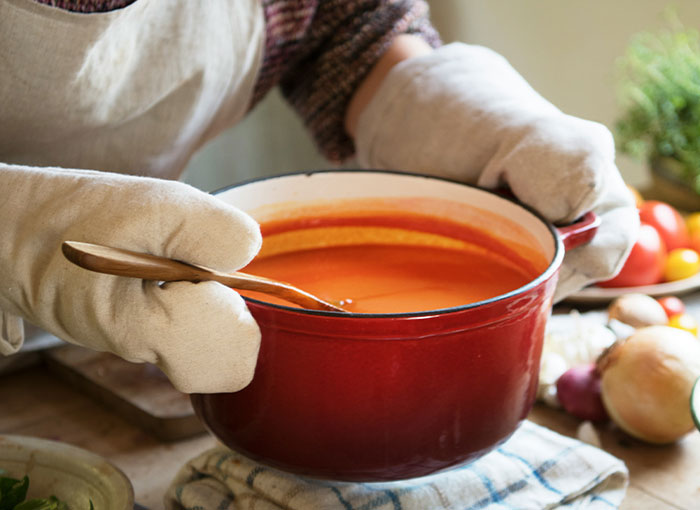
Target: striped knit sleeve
(88,6)
(319,51)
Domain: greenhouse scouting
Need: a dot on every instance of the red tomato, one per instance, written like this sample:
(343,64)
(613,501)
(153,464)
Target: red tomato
(672,305)
(667,221)
(646,261)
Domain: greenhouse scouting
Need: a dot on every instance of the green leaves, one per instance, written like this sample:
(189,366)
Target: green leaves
(13,494)
(51,503)
(659,89)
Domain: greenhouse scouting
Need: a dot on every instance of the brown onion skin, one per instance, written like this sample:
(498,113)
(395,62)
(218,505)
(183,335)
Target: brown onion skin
(646,382)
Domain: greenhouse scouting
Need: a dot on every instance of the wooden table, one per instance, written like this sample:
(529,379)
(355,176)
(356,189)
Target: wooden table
(35,402)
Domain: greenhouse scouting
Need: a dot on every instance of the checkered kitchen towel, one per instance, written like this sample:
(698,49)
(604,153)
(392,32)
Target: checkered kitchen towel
(535,469)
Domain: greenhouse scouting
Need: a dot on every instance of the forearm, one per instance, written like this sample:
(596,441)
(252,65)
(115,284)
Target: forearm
(320,52)
(404,47)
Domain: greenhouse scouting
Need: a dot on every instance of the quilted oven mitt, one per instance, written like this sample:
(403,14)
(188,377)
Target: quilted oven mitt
(464,113)
(201,335)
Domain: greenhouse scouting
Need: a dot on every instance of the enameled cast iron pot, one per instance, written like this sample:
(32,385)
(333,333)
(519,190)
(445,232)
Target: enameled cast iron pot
(362,397)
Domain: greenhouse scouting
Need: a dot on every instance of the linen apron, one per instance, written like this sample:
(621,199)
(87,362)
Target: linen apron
(136,90)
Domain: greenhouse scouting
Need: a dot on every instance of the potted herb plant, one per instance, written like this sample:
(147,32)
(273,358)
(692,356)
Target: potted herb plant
(659,88)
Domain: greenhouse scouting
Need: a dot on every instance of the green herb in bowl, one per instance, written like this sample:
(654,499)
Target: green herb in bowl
(13,496)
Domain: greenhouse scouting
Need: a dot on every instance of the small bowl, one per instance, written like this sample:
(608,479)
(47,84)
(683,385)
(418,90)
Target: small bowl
(75,476)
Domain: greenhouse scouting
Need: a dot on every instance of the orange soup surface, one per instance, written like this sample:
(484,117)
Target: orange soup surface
(383,265)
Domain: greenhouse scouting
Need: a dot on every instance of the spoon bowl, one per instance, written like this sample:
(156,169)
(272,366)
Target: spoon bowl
(120,262)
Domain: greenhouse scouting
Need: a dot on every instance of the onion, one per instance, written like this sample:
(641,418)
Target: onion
(637,310)
(647,380)
(578,391)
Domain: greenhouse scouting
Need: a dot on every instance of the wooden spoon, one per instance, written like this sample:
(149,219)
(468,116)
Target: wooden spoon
(115,261)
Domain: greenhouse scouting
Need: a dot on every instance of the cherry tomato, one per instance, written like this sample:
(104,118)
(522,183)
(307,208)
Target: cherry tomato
(672,305)
(645,263)
(681,263)
(684,321)
(667,221)
(694,241)
(692,223)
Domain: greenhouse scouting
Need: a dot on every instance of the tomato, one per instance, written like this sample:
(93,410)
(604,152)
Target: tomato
(645,263)
(681,263)
(684,321)
(694,241)
(692,223)
(667,221)
(672,305)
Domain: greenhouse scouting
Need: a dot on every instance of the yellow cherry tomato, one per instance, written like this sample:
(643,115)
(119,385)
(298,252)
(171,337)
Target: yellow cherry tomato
(681,263)
(684,321)
(692,221)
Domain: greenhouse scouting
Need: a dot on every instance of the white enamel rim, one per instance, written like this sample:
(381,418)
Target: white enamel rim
(292,187)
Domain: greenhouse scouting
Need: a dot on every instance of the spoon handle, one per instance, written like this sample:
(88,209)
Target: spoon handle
(119,262)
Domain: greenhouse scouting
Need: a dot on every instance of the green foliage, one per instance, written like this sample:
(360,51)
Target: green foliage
(660,94)
(50,503)
(13,495)
(12,492)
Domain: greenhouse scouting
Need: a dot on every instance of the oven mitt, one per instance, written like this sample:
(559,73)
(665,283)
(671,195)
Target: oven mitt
(201,335)
(535,469)
(464,113)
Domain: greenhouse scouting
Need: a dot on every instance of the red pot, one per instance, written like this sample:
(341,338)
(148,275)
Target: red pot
(362,397)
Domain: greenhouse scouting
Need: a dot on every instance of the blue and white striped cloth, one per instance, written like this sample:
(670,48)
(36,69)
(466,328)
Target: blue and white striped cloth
(535,469)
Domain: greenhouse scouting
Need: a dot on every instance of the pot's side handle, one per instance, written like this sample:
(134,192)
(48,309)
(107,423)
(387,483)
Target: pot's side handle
(579,232)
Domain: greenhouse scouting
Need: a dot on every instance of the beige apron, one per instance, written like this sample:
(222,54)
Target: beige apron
(137,90)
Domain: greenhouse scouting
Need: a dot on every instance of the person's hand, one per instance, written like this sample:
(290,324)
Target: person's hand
(201,335)
(463,112)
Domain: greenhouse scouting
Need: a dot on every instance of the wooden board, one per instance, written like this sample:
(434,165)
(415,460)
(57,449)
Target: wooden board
(36,402)
(137,391)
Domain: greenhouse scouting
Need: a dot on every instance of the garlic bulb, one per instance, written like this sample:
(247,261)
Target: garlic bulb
(637,310)
(646,382)
(570,339)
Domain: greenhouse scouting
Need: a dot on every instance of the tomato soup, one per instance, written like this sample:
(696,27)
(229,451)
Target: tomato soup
(391,263)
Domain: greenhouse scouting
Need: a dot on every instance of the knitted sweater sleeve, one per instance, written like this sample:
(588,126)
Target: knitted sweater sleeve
(318,52)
